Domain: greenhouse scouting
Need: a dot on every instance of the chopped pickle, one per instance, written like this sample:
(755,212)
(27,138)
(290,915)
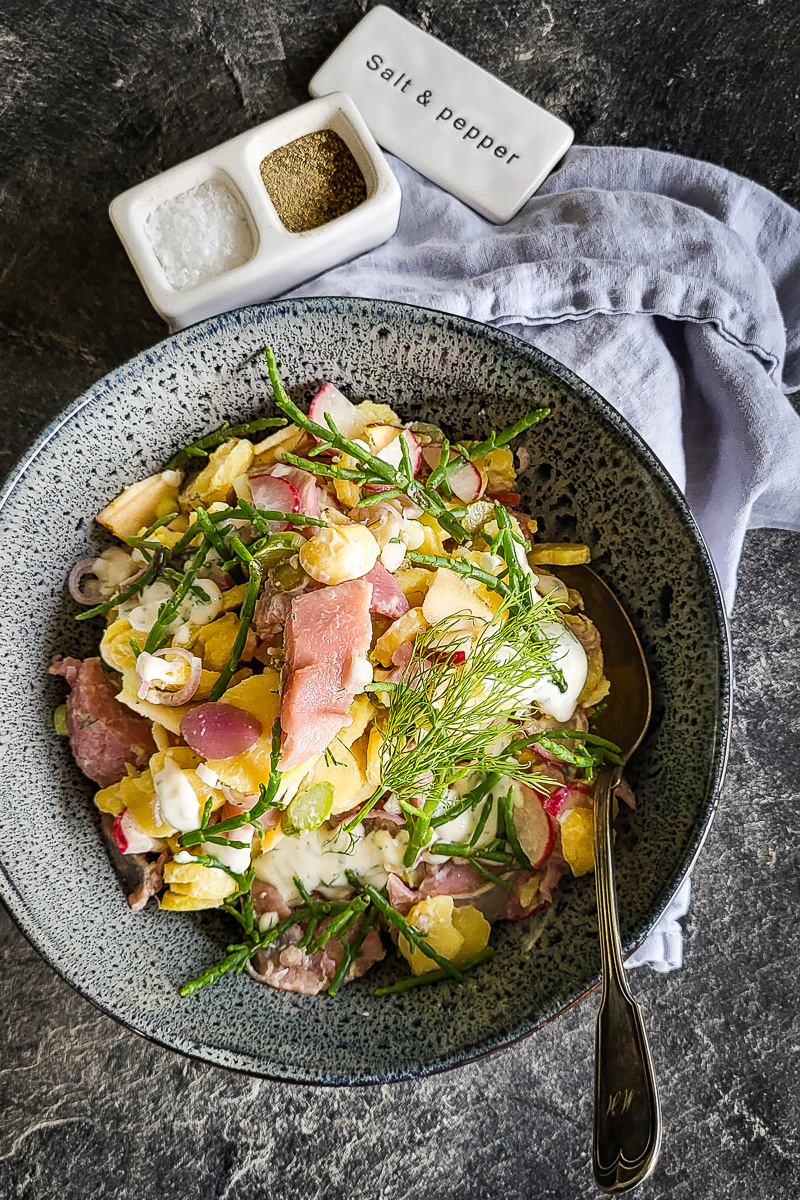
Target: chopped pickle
(308,810)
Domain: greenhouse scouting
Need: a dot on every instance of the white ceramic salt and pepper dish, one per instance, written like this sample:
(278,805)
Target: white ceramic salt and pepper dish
(225,185)
(444,115)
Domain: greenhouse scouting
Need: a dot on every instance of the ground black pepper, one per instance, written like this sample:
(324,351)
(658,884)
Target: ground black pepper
(313,180)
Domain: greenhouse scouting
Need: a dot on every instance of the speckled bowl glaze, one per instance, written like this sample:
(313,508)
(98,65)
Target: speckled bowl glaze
(590,479)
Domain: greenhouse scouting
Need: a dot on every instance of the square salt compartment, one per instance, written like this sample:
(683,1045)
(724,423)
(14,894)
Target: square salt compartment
(200,234)
(204,237)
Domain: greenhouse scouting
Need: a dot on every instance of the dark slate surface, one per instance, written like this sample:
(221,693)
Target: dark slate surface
(96,96)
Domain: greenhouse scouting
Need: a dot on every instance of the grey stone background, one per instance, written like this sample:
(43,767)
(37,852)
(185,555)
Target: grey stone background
(96,95)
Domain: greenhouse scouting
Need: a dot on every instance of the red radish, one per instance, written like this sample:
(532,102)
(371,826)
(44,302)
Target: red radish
(344,414)
(393,453)
(564,799)
(466,483)
(218,730)
(455,657)
(304,484)
(275,495)
(509,499)
(534,828)
(130,839)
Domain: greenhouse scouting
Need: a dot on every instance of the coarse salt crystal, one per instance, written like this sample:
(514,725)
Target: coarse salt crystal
(200,234)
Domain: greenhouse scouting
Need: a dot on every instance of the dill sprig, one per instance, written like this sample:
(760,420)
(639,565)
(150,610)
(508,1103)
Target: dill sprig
(437,729)
(204,445)
(372,470)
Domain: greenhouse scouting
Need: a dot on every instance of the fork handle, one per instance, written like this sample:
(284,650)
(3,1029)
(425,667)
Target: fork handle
(627,1113)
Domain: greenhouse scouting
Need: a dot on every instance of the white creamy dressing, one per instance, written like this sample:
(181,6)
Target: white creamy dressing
(142,610)
(570,657)
(112,568)
(461,828)
(151,669)
(321,858)
(178,800)
(234,857)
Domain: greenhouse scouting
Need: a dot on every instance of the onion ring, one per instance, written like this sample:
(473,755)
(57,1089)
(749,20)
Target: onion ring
(183,694)
(85,566)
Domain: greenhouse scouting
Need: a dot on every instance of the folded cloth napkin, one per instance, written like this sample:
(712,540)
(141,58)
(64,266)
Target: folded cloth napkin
(672,287)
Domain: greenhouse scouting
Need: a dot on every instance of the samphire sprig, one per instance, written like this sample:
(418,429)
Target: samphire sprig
(239,954)
(204,445)
(372,470)
(266,800)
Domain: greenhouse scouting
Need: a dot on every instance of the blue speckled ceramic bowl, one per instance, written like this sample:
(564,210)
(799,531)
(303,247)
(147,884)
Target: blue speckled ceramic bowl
(591,479)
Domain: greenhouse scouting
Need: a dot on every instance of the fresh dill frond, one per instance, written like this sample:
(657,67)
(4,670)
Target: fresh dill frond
(450,718)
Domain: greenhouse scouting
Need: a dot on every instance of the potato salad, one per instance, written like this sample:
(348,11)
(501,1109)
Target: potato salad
(340,694)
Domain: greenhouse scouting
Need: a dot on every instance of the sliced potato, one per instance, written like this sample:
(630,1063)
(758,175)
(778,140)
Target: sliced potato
(214,484)
(577,840)
(404,629)
(378,414)
(141,504)
(558,554)
(414,582)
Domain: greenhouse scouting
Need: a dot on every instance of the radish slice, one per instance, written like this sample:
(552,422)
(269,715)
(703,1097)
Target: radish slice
(275,495)
(220,730)
(130,839)
(534,828)
(563,799)
(304,484)
(345,416)
(466,483)
(393,454)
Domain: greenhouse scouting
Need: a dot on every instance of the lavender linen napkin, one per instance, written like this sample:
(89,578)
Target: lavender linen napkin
(671,286)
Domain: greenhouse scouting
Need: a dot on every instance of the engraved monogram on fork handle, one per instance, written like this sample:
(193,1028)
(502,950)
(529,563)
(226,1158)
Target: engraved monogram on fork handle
(627,1113)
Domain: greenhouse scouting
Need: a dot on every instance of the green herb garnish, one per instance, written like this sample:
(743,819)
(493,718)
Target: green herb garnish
(415,981)
(204,445)
(372,470)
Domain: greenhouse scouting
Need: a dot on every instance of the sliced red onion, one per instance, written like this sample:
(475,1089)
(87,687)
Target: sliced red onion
(183,694)
(238,800)
(85,566)
(221,578)
(218,730)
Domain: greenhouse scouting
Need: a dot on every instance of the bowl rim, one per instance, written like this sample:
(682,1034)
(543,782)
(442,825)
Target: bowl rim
(14,901)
